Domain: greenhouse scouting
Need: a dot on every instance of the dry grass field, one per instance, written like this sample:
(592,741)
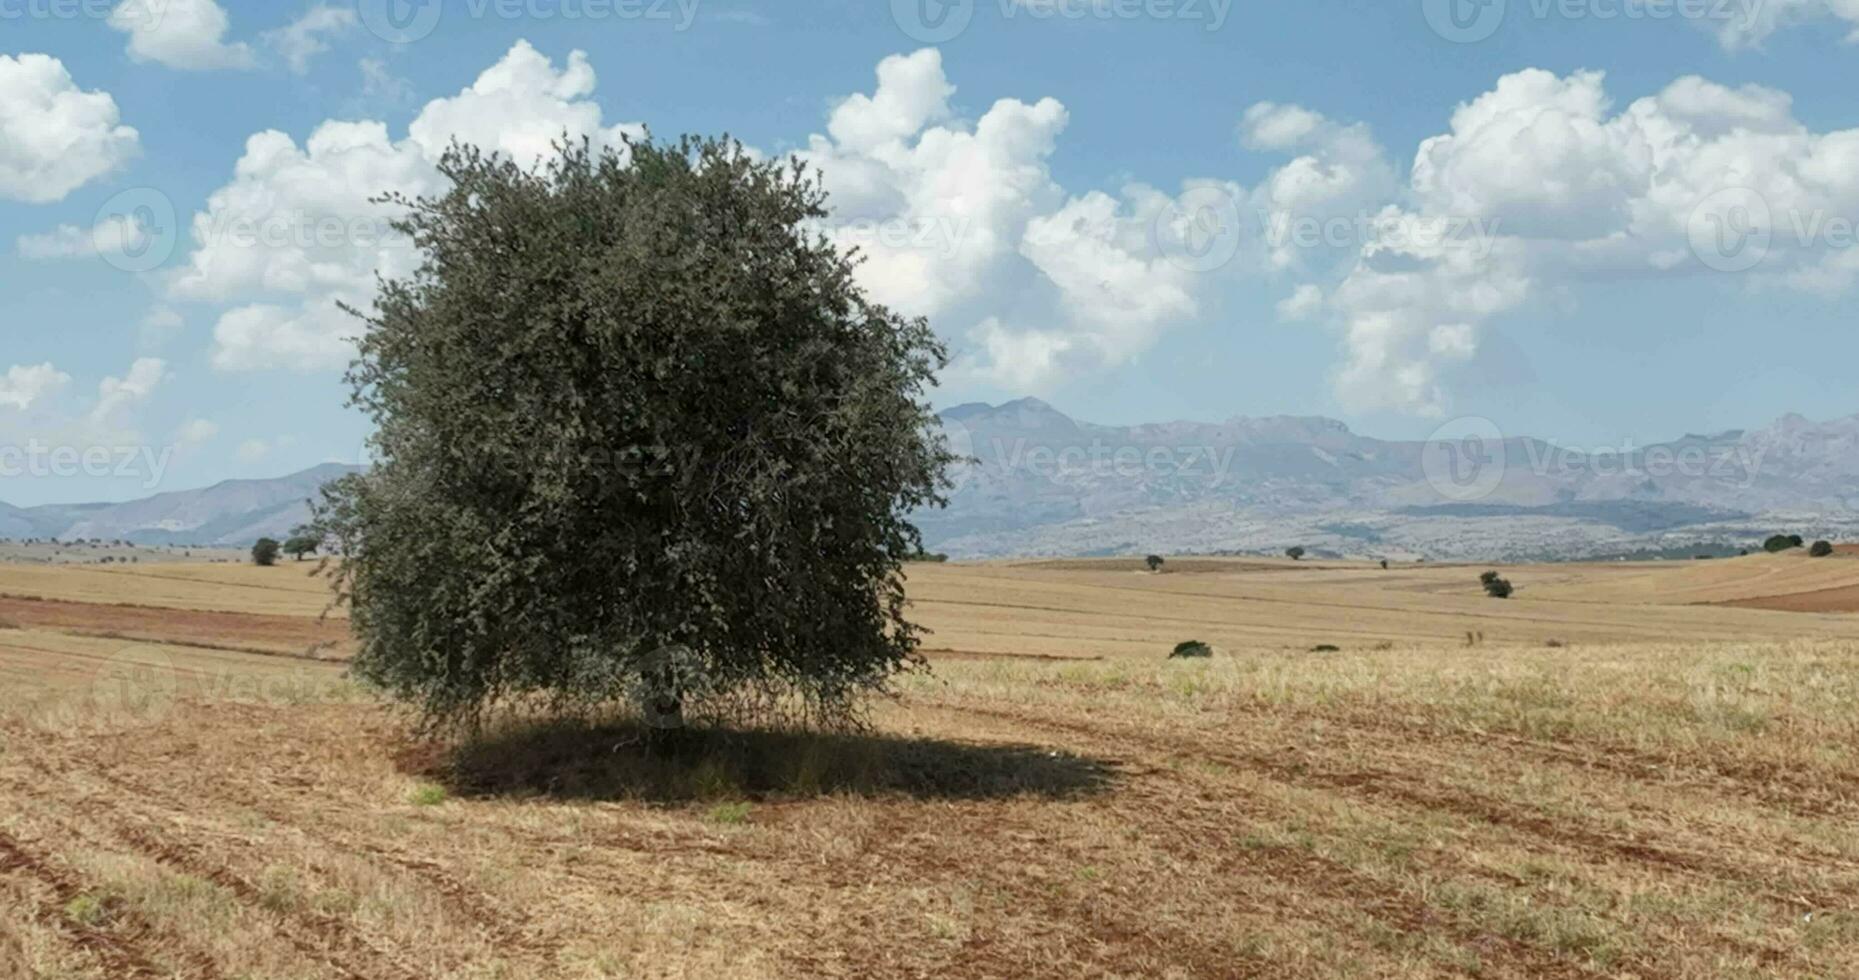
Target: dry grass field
(1626,771)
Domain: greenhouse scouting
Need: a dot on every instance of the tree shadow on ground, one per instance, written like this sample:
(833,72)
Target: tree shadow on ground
(627,762)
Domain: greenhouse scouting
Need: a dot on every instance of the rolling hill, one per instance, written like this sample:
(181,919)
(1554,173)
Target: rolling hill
(1037,482)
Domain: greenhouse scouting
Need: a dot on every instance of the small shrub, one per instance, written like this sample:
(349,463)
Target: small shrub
(1191,648)
(1295,553)
(730,813)
(1154,562)
(1487,578)
(1474,637)
(265,552)
(1821,549)
(87,910)
(1554,644)
(427,794)
(1326,648)
(1782,542)
(1498,588)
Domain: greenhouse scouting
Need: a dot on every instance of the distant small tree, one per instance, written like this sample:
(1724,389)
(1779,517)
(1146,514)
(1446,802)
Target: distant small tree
(299,545)
(265,552)
(1821,549)
(1498,588)
(1294,553)
(1782,542)
(1191,648)
(1487,578)
(1384,564)
(1154,562)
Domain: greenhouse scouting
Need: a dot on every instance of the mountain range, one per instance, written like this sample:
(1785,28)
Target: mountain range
(1035,482)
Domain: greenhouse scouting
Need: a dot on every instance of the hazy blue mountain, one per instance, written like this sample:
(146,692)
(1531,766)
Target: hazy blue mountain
(233,512)
(1037,482)
(1040,483)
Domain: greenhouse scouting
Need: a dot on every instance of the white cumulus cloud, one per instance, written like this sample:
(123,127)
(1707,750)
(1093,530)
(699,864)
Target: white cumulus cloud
(185,34)
(55,137)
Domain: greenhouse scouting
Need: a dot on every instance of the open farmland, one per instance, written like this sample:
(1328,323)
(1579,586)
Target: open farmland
(1627,770)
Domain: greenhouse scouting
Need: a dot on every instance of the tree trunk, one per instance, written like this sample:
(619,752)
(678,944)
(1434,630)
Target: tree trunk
(664,712)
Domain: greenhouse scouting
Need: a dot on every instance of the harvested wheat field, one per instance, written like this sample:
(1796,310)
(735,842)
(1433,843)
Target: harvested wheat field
(1614,774)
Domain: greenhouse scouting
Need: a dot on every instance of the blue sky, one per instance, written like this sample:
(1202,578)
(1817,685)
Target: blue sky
(1181,209)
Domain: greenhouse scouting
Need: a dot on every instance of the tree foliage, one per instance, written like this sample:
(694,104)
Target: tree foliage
(1295,553)
(300,544)
(1821,549)
(639,437)
(1782,542)
(265,552)
(1154,562)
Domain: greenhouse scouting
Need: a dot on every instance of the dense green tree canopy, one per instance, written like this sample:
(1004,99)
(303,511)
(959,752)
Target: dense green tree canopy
(639,436)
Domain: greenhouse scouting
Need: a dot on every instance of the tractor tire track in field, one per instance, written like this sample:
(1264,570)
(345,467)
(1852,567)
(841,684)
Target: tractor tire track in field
(1771,787)
(1393,905)
(1125,941)
(316,936)
(120,955)
(508,931)
(1195,821)
(1564,830)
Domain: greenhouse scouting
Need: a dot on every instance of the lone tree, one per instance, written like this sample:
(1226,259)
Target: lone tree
(303,541)
(1497,587)
(265,552)
(1821,549)
(1782,542)
(1295,553)
(1154,562)
(640,438)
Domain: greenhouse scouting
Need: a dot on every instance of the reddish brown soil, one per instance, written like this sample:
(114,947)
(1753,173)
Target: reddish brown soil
(220,630)
(1841,600)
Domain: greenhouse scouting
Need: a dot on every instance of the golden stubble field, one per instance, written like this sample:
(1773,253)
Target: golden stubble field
(1625,771)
